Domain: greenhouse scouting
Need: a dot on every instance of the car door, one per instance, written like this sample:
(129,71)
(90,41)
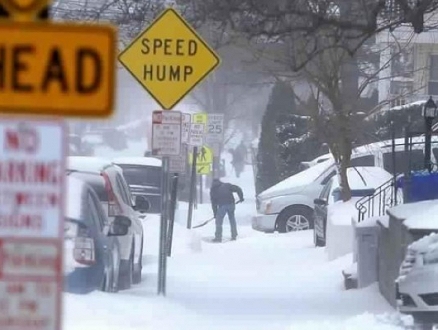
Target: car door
(97,228)
(321,210)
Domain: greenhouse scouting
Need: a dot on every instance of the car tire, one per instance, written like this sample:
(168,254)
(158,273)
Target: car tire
(136,278)
(108,277)
(126,273)
(295,219)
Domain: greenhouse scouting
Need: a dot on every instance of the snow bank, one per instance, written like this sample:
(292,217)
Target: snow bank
(340,238)
(425,218)
(361,322)
(405,211)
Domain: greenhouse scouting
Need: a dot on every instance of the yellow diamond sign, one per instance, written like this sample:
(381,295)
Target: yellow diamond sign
(169,59)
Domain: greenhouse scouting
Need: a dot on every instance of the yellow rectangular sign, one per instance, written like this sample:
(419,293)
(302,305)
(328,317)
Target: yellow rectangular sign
(200,118)
(57,69)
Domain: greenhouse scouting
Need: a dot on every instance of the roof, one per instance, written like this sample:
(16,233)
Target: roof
(143,161)
(87,164)
(73,202)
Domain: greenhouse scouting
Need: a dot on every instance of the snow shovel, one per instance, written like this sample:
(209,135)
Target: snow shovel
(207,221)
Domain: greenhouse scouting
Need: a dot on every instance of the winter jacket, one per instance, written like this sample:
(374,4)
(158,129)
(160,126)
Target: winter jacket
(221,193)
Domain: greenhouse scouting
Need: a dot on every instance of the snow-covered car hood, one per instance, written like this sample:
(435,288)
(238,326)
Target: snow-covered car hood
(296,182)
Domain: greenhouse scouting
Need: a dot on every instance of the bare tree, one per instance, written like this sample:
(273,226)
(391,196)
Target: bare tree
(312,26)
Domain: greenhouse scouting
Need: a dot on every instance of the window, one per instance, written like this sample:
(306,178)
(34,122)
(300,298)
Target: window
(326,190)
(93,213)
(96,182)
(367,160)
(142,175)
(121,188)
(103,220)
(414,159)
(433,75)
(328,177)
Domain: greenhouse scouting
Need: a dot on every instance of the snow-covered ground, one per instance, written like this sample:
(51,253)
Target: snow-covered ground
(261,281)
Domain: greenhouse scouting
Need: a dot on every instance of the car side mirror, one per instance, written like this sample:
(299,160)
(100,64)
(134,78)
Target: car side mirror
(320,202)
(142,204)
(120,226)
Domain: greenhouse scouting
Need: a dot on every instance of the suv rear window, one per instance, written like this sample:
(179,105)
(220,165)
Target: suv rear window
(142,175)
(96,182)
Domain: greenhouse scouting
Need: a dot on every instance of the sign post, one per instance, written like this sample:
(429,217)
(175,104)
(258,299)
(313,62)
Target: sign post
(166,142)
(169,59)
(31,223)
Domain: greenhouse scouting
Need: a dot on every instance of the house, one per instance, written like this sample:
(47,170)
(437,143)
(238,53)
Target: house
(409,65)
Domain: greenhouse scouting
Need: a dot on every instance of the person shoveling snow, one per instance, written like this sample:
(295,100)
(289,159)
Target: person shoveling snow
(222,203)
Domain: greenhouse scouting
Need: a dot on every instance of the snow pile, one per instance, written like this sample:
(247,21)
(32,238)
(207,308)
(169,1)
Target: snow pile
(425,218)
(361,322)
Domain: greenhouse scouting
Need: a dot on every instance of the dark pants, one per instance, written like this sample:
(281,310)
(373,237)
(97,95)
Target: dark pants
(221,212)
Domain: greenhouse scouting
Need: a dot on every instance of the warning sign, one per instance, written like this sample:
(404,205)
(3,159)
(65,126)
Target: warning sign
(169,58)
(31,190)
(203,160)
(57,69)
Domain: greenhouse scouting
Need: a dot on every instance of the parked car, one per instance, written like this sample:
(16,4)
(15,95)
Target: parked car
(113,192)
(362,180)
(91,249)
(417,285)
(143,175)
(288,205)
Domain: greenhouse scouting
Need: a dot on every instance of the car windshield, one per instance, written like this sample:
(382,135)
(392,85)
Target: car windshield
(142,175)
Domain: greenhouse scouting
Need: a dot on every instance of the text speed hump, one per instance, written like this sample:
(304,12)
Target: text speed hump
(169,59)
(57,69)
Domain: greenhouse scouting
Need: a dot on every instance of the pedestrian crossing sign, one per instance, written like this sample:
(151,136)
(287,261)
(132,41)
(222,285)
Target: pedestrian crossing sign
(204,160)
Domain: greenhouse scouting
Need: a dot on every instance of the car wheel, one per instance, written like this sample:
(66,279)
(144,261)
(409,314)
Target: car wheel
(295,219)
(116,270)
(137,271)
(126,273)
(108,276)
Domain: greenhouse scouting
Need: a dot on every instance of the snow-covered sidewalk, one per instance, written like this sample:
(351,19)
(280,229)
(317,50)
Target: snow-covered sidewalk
(261,281)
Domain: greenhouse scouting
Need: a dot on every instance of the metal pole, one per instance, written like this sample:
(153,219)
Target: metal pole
(173,197)
(192,187)
(163,229)
(427,143)
(201,182)
(394,164)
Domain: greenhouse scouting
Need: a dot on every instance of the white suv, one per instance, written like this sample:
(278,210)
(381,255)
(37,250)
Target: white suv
(108,182)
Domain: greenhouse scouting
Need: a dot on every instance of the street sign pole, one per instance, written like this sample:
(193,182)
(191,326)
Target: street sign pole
(201,191)
(173,197)
(192,188)
(163,229)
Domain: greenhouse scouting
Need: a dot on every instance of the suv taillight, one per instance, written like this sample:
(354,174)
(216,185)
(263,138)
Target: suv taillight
(83,251)
(113,204)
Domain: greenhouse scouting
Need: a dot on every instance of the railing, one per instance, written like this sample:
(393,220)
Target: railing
(384,197)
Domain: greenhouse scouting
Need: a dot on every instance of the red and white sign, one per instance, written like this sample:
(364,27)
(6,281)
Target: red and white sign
(166,133)
(32,171)
(29,305)
(31,178)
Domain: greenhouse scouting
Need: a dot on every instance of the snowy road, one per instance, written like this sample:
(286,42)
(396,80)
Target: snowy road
(261,281)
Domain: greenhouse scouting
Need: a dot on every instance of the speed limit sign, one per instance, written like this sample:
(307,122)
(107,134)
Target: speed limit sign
(215,128)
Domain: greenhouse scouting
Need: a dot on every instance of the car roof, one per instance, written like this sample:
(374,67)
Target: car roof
(142,161)
(372,175)
(88,164)
(73,201)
